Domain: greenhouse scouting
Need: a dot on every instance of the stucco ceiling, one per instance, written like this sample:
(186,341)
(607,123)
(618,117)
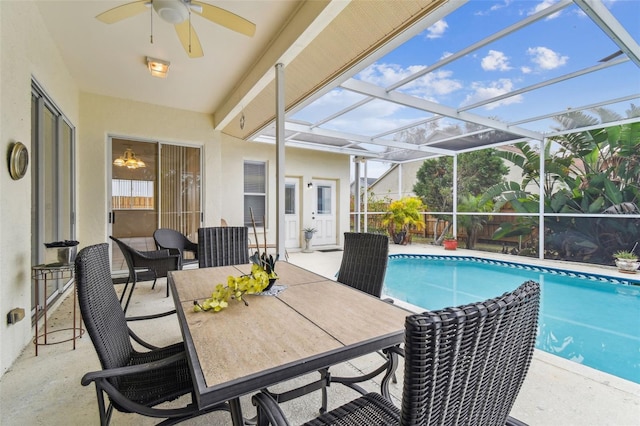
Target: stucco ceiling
(109,59)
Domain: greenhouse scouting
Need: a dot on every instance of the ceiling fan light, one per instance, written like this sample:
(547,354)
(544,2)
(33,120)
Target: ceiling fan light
(172,11)
(158,67)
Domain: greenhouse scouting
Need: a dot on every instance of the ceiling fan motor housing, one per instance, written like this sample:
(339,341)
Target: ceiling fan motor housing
(172,11)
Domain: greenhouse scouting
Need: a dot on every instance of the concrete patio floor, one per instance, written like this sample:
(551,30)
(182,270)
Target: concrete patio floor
(46,389)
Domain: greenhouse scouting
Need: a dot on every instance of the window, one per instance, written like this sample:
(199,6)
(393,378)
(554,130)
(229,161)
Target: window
(289,198)
(132,194)
(324,199)
(255,192)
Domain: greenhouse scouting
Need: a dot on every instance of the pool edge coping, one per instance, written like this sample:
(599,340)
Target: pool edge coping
(597,277)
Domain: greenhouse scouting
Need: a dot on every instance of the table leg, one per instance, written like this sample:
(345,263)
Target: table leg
(236,412)
(37,304)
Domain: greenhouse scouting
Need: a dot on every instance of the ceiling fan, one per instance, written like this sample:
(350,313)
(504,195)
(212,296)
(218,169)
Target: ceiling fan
(178,13)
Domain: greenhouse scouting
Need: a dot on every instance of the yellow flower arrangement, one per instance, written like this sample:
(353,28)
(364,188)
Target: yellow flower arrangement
(236,288)
(262,275)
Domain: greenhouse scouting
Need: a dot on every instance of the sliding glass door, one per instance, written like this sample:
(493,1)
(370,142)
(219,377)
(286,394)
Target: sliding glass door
(153,185)
(52,183)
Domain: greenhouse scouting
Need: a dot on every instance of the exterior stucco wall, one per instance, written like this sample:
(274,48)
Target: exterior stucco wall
(103,116)
(26,51)
(302,164)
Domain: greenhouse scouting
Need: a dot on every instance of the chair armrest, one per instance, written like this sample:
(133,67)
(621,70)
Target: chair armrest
(191,247)
(160,261)
(152,316)
(269,411)
(130,369)
(137,338)
(153,254)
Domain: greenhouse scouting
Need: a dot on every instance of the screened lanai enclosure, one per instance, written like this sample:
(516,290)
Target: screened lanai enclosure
(551,88)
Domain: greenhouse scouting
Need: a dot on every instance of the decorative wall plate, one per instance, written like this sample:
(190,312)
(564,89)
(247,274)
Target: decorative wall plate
(18,161)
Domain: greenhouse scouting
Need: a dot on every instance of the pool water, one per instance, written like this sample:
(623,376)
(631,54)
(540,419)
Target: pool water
(590,319)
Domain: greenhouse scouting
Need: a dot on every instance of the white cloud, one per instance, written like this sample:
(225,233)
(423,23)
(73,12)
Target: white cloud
(543,5)
(495,88)
(432,84)
(493,8)
(546,58)
(525,70)
(437,29)
(495,60)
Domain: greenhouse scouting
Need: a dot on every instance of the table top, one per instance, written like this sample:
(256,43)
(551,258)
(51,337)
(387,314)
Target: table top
(314,323)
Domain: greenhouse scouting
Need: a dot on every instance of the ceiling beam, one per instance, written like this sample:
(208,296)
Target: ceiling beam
(545,83)
(296,127)
(311,18)
(369,89)
(599,14)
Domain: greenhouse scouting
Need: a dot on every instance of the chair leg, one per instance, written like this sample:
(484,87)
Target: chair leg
(124,290)
(105,414)
(133,286)
(324,374)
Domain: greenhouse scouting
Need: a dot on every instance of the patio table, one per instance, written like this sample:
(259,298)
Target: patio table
(313,324)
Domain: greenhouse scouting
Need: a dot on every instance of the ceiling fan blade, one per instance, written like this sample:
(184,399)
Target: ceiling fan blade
(193,49)
(225,18)
(122,12)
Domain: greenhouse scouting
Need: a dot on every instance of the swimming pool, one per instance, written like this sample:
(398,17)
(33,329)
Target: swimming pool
(590,319)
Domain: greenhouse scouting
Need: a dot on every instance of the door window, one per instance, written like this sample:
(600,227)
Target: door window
(255,192)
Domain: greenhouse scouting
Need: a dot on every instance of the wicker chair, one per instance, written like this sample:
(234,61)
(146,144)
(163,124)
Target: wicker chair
(221,246)
(135,382)
(463,366)
(145,265)
(176,243)
(364,262)
(363,267)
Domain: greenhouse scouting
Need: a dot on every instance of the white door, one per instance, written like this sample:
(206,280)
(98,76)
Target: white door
(324,213)
(291,213)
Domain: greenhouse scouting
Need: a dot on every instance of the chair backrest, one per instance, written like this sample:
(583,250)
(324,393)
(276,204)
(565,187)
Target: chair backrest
(166,238)
(465,365)
(220,246)
(100,308)
(364,262)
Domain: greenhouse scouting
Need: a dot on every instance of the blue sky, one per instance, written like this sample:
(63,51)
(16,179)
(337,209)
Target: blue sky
(559,44)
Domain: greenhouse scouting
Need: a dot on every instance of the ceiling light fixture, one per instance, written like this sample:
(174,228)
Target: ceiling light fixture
(172,11)
(158,67)
(129,160)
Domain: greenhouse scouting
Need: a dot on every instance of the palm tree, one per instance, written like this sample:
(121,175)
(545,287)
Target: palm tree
(403,215)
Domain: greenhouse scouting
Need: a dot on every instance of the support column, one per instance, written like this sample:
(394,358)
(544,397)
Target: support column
(280,161)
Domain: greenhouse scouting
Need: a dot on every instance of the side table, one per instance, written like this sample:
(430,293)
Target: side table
(41,274)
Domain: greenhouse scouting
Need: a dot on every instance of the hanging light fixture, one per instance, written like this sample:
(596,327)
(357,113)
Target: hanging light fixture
(129,160)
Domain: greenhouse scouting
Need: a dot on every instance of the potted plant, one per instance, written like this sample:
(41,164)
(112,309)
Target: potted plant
(402,216)
(308,233)
(626,261)
(450,242)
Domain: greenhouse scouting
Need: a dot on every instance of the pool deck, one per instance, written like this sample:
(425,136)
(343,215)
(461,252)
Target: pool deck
(46,389)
